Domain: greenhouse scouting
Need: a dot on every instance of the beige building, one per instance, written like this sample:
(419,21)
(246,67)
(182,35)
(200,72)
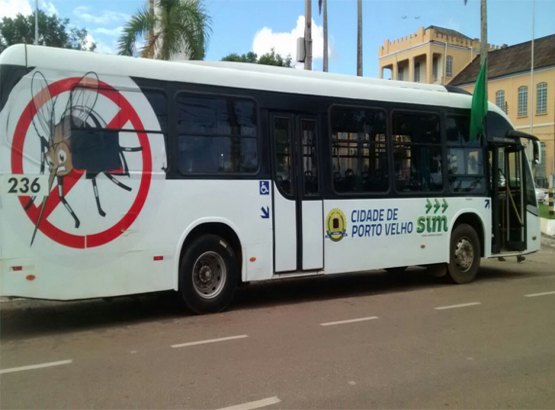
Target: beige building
(527,97)
(432,55)
(437,55)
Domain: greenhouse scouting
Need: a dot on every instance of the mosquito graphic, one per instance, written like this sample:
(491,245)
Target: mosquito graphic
(79,140)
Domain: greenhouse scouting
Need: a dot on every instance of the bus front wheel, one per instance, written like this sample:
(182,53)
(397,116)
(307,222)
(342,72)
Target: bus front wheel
(464,259)
(208,274)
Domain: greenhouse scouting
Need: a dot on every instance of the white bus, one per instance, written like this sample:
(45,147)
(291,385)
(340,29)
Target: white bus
(123,176)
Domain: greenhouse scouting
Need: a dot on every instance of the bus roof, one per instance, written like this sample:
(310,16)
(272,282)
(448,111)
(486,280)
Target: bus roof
(238,75)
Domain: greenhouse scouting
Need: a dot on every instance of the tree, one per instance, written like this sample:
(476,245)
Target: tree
(250,57)
(169,27)
(53,31)
(271,58)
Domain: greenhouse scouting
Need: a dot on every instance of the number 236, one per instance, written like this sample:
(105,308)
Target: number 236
(24,185)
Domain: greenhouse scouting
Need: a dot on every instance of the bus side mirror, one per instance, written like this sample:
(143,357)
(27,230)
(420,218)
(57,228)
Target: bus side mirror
(537,152)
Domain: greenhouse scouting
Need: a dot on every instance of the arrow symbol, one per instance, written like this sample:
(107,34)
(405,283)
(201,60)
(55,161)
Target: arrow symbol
(265,212)
(428,205)
(437,205)
(444,206)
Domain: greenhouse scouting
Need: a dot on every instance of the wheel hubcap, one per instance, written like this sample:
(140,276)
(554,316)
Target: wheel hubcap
(464,254)
(209,275)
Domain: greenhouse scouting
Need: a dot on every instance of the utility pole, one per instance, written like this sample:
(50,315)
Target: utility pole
(483,32)
(308,34)
(324,4)
(359,38)
(36,22)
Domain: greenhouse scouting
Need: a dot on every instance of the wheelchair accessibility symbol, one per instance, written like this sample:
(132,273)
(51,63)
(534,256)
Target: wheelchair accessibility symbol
(264,188)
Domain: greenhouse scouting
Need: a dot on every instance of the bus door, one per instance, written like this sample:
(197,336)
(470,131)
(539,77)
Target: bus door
(297,203)
(509,198)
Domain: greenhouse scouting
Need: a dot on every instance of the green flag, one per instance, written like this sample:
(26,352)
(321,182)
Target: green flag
(479,104)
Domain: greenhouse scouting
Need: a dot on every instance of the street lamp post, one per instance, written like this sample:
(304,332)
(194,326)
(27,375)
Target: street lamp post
(36,22)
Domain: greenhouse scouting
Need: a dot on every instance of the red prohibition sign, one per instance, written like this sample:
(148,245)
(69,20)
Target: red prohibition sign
(126,113)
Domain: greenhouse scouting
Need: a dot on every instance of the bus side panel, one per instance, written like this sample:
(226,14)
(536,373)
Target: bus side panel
(112,225)
(378,233)
(533,232)
(236,204)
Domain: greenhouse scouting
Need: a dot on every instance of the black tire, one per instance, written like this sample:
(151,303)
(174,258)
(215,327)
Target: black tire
(208,274)
(464,255)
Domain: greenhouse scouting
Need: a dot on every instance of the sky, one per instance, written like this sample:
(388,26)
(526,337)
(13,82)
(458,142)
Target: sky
(240,26)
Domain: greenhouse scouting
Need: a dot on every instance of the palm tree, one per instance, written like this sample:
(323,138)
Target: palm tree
(169,27)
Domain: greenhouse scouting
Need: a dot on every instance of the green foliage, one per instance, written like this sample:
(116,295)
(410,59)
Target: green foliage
(168,27)
(544,211)
(250,57)
(53,32)
(271,58)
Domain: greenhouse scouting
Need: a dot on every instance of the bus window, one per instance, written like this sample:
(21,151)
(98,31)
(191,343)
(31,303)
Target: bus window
(216,135)
(309,157)
(465,161)
(417,152)
(359,154)
(284,160)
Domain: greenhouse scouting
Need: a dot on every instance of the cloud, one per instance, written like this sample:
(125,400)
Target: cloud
(112,32)
(11,8)
(48,8)
(103,48)
(285,44)
(105,17)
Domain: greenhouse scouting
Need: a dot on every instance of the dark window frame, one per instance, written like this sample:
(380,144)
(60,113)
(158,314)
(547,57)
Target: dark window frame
(330,156)
(224,96)
(442,143)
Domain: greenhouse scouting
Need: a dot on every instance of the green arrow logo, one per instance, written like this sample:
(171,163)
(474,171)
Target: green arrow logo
(428,205)
(437,205)
(444,206)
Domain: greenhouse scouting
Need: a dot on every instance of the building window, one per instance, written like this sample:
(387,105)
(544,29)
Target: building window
(541,99)
(449,66)
(522,101)
(417,72)
(500,99)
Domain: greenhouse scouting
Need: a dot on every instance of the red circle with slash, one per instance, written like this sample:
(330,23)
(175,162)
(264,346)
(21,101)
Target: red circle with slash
(126,114)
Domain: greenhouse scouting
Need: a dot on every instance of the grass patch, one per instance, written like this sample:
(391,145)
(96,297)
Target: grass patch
(544,212)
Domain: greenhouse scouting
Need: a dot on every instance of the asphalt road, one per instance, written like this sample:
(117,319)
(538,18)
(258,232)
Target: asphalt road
(360,341)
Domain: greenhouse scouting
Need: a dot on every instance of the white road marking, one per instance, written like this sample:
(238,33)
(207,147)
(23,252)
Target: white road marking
(254,404)
(203,342)
(533,295)
(35,366)
(462,305)
(342,322)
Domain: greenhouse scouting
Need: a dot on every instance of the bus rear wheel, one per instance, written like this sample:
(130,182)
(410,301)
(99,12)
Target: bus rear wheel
(208,274)
(464,259)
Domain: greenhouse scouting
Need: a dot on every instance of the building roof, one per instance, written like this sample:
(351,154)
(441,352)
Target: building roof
(448,32)
(511,60)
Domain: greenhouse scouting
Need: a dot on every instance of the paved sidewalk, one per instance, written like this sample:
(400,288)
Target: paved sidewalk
(548,241)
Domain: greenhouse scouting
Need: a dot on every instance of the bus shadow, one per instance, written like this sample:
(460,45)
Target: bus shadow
(301,290)
(28,318)
(22,318)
